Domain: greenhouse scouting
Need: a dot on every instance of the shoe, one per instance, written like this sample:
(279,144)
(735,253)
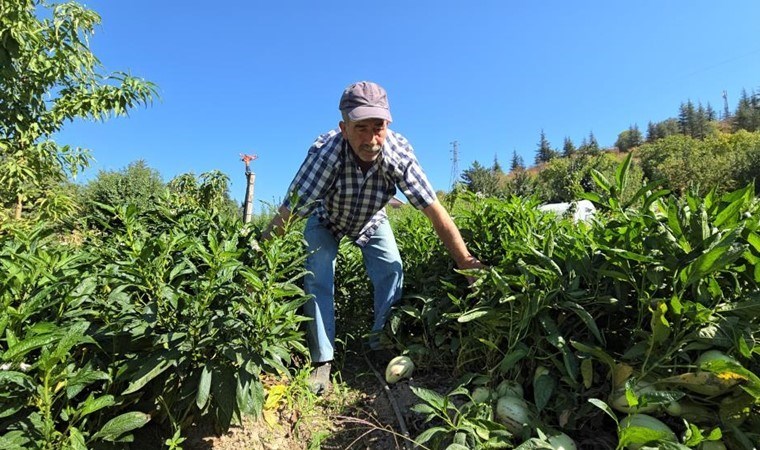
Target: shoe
(319,379)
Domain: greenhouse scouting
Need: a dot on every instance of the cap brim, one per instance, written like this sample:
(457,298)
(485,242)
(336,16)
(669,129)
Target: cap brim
(369,112)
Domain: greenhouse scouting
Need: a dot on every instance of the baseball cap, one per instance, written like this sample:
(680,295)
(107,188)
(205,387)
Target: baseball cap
(365,100)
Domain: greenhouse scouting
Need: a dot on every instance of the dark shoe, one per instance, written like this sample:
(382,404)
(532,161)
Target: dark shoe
(319,379)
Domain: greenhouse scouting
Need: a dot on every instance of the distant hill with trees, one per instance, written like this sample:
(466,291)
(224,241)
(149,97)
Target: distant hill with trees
(694,150)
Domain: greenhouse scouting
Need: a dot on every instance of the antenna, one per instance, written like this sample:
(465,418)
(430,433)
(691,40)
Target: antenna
(454,163)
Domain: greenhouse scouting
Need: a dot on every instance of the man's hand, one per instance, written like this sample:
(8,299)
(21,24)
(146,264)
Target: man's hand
(449,234)
(275,226)
(471,262)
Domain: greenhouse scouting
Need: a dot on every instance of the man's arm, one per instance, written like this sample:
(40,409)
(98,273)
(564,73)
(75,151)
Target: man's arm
(277,222)
(449,234)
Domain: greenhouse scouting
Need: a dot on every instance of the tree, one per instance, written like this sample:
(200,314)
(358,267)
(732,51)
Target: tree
(747,115)
(137,185)
(49,76)
(590,146)
(545,152)
(629,139)
(496,168)
(568,148)
(702,122)
(710,112)
(480,179)
(210,190)
(566,179)
(520,183)
(683,161)
(517,162)
(660,130)
(686,118)
(695,121)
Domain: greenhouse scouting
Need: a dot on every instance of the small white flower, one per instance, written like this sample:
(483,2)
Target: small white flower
(6,366)
(24,367)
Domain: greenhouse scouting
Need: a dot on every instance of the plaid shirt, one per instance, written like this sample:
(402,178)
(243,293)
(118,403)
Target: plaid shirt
(331,185)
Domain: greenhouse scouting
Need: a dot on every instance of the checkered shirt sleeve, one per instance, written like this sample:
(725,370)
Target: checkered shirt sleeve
(409,176)
(316,175)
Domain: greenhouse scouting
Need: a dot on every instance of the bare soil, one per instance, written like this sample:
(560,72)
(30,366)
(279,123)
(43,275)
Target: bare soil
(356,414)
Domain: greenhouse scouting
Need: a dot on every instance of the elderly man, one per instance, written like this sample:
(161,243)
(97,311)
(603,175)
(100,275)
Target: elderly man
(343,185)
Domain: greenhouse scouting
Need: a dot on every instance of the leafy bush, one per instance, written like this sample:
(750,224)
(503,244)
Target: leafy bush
(169,323)
(576,313)
(722,161)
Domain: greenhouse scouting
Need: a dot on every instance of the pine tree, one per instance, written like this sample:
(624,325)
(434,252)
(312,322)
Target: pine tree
(590,146)
(651,132)
(517,162)
(568,148)
(711,114)
(747,115)
(480,179)
(686,118)
(545,152)
(700,122)
(496,168)
(659,130)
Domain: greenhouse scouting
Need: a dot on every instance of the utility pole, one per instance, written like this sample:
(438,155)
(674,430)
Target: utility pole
(251,178)
(454,163)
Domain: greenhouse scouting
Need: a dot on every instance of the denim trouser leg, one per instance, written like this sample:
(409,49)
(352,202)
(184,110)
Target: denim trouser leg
(322,248)
(383,263)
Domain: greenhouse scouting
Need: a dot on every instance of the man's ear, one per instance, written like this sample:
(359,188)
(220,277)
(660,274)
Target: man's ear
(342,126)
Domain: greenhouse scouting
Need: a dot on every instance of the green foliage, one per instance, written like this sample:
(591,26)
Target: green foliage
(573,311)
(174,315)
(661,130)
(481,179)
(545,152)
(629,139)
(353,293)
(517,162)
(458,427)
(520,183)
(747,115)
(568,148)
(210,190)
(566,179)
(49,76)
(590,146)
(721,160)
(695,121)
(136,184)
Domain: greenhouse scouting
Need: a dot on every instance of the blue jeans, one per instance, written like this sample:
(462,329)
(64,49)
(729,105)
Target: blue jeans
(383,263)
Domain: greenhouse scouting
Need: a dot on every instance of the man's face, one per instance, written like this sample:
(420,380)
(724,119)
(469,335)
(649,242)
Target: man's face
(366,137)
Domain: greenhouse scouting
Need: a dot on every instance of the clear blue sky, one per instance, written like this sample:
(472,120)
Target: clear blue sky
(265,77)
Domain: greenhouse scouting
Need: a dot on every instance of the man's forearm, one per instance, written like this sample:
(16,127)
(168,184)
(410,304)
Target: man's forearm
(449,234)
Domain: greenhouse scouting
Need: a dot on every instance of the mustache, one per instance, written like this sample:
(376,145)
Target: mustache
(371,148)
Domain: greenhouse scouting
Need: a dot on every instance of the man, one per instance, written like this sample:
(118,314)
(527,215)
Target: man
(348,177)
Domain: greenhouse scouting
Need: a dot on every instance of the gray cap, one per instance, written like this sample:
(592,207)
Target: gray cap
(365,100)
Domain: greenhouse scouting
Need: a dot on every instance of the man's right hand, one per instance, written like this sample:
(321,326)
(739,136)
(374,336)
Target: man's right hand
(276,224)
